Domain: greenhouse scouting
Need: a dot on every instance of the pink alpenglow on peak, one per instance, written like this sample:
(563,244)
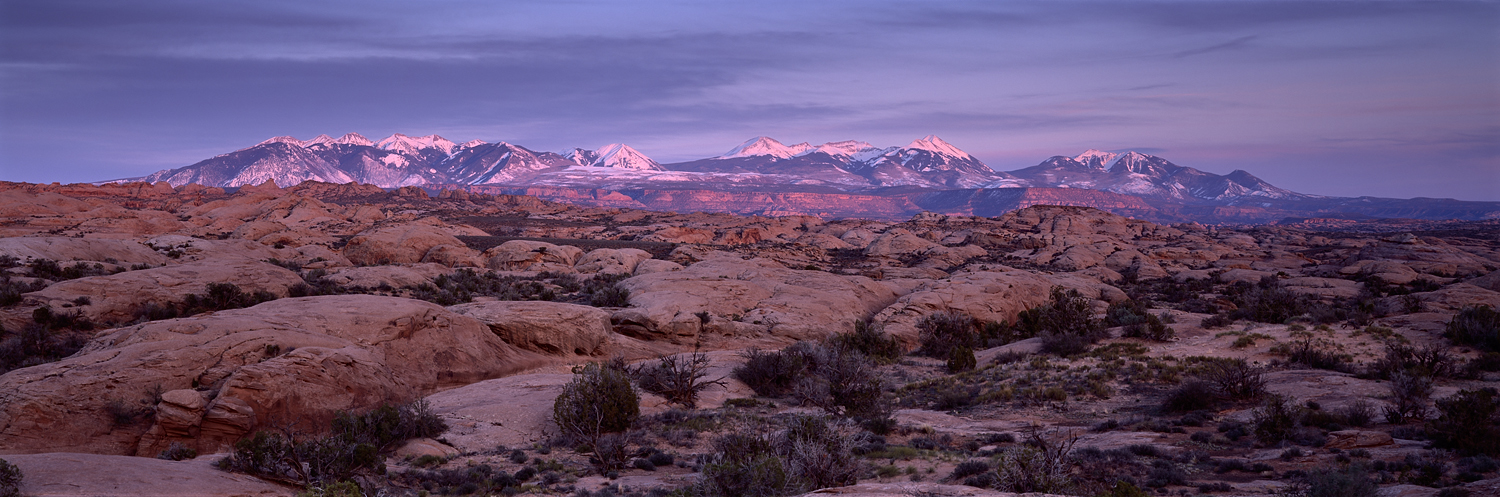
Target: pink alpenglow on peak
(412,145)
(936,145)
(1095,158)
(762,146)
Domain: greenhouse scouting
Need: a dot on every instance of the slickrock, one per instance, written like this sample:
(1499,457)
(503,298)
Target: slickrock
(393,276)
(551,328)
(526,255)
(611,261)
(1355,439)
(790,304)
(401,243)
(116,298)
(914,488)
(985,295)
(63,249)
(290,359)
(93,475)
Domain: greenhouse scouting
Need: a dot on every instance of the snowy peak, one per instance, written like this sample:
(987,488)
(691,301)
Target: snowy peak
(846,148)
(354,139)
(582,157)
(318,140)
(412,146)
(622,156)
(936,145)
(281,139)
(1096,159)
(765,146)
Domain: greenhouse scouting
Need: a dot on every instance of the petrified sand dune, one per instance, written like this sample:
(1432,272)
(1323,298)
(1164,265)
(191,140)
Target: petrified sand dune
(93,475)
(80,249)
(115,298)
(282,361)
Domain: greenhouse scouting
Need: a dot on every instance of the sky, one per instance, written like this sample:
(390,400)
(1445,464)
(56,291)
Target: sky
(1389,98)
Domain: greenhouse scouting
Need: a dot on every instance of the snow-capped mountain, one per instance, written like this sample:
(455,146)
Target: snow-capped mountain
(1148,176)
(761,163)
(613,155)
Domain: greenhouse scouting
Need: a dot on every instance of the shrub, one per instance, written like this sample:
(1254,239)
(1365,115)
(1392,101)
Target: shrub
(678,378)
(611,296)
(598,400)
(1352,481)
(1191,395)
(1040,466)
(1314,353)
(177,452)
(1266,302)
(870,339)
(969,468)
(1477,326)
(10,479)
(1469,422)
(1216,321)
(771,374)
(1359,413)
(1233,379)
(1275,420)
(1409,395)
(1433,361)
(808,454)
(354,445)
(940,333)
(1137,320)
(961,359)
(1065,323)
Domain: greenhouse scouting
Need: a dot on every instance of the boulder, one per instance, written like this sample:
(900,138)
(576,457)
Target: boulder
(548,327)
(419,447)
(297,359)
(116,298)
(397,244)
(526,255)
(649,266)
(611,261)
(897,242)
(511,411)
(1389,271)
(75,475)
(1355,439)
(792,304)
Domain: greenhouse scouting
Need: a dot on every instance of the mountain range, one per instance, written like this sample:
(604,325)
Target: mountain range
(925,168)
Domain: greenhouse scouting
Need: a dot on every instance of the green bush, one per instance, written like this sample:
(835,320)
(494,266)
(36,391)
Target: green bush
(1137,321)
(1066,323)
(808,454)
(10,479)
(772,374)
(1276,420)
(870,339)
(1469,422)
(1191,395)
(353,446)
(940,333)
(961,359)
(841,381)
(1477,326)
(598,400)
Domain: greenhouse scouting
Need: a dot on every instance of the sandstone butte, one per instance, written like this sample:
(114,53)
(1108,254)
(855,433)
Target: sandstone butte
(347,297)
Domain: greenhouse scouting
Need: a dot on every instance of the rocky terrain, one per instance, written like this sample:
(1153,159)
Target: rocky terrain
(347,339)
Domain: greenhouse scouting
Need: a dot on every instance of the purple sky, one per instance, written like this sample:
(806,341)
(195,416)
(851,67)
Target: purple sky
(1393,99)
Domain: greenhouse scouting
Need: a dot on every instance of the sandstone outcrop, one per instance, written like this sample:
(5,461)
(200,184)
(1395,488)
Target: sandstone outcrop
(80,249)
(611,261)
(399,243)
(290,359)
(985,295)
(790,304)
(551,328)
(116,298)
(89,475)
(526,255)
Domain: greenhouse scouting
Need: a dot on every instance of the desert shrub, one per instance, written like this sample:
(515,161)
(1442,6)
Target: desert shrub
(1358,413)
(1266,302)
(1216,321)
(969,468)
(598,400)
(1468,422)
(1409,395)
(1314,353)
(1432,361)
(1042,465)
(11,290)
(1065,323)
(223,296)
(611,296)
(772,374)
(1138,322)
(37,343)
(10,479)
(1163,473)
(51,270)
(1351,481)
(1477,326)
(354,445)
(961,359)
(870,339)
(1233,379)
(1191,395)
(177,452)
(1275,420)
(808,454)
(678,378)
(940,333)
